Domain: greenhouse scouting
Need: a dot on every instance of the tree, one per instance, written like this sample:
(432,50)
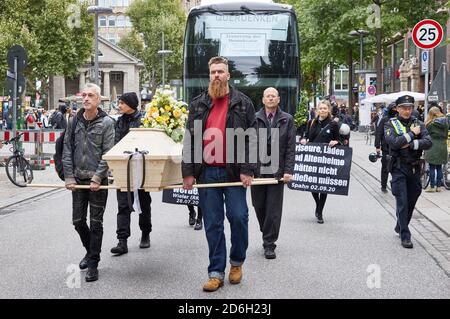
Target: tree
(57,34)
(133,43)
(152,18)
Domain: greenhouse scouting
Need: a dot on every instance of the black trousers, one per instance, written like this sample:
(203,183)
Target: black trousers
(268,203)
(192,212)
(92,235)
(406,188)
(123,216)
(320,199)
(384,170)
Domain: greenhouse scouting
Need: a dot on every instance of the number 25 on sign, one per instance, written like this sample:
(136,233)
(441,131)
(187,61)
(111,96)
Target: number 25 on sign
(427,34)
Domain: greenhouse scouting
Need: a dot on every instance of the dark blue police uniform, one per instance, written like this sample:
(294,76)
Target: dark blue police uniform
(405,165)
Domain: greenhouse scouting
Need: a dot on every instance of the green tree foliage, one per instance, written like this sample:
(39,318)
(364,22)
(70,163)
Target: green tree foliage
(324,26)
(152,18)
(301,114)
(57,34)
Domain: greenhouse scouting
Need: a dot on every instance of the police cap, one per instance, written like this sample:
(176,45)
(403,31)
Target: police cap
(405,100)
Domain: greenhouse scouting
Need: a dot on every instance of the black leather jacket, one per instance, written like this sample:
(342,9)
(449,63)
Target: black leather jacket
(91,141)
(240,114)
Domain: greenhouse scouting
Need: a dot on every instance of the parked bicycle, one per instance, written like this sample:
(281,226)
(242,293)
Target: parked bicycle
(18,169)
(424,173)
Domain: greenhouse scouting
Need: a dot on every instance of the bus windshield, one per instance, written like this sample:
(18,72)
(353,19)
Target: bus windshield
(261,47)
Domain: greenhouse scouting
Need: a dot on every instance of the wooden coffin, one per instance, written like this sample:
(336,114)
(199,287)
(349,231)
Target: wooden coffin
(162,163)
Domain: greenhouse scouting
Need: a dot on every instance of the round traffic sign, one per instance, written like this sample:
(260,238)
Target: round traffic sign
(371,89)
(20,53)
(427,34)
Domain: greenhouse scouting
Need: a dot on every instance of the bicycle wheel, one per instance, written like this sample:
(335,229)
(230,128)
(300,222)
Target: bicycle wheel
(19,171)
(446,174)
(425,174)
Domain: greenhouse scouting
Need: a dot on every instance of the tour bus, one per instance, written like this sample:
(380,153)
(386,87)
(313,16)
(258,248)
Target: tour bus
(260,41)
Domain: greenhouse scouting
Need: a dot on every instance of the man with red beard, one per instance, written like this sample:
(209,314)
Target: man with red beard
(215,160)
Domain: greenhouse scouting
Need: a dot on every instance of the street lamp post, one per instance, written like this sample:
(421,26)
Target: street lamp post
(97,10)
(361,34)
(163,53)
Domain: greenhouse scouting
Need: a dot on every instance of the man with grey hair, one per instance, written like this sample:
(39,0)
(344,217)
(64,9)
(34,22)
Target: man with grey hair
(279,146)
(89,135)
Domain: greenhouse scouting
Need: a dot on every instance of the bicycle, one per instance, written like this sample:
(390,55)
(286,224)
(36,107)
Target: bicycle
(18,169)
(370,132)
(424,173)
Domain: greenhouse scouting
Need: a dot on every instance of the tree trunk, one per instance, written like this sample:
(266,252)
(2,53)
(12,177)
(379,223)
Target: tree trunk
(350,81)
(331,79)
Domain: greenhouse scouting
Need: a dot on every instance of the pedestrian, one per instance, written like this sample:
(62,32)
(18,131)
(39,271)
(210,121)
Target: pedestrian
(44,119)
(131,117)
(406,138)
(58,120)
(268,199)
(195,221)
(437,155)
(381,147)
(322,129)
(31,120)
(84,145)
(221,107)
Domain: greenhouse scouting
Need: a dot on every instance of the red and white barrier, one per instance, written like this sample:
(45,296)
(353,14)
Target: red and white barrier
(31,136)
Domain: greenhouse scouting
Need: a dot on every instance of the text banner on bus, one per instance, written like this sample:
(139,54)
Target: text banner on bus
(181,196)
(322,169)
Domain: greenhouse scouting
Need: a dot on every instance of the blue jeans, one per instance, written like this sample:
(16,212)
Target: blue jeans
(436,175)
(212,201)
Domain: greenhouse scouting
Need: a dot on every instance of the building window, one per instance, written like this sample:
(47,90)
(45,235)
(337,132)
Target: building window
(112,21)
(116,76)
(411,48)
(103,3)
(341,80)
(121,21)
(112,37)
(102,21)
(126,3)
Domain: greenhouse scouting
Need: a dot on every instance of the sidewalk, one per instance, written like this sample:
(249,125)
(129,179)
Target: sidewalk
(434,206)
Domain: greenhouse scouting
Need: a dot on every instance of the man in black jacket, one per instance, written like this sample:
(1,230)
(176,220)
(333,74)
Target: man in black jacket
(213,157)
(382,147)
(83,165)
(267,200)
(131,117)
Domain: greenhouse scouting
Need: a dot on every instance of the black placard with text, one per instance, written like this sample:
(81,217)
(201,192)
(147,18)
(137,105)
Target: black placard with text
(322,169)
(181,196)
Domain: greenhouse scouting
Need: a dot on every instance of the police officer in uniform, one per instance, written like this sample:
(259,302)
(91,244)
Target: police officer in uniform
(382,147)
(406,137)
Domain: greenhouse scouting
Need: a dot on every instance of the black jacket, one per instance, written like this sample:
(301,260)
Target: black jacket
(396,141)
(380,142)
(124,123)
(241,114)
(91,141)
(285,123)
(324,131)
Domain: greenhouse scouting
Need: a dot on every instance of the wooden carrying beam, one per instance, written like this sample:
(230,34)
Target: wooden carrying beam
(256,181)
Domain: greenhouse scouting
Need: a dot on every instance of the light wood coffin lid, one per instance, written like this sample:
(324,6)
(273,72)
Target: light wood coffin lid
(155,141)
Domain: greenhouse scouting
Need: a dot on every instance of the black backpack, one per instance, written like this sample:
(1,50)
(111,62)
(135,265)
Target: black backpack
(59,147)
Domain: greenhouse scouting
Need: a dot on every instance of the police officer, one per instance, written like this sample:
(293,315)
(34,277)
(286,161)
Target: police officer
(382,147)
(406,137)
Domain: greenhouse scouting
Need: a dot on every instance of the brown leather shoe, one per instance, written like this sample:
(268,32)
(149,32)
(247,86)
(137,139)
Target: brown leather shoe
(235,275)
(212,284)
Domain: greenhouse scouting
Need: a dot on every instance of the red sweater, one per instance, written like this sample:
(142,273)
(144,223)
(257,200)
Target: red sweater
(214,139)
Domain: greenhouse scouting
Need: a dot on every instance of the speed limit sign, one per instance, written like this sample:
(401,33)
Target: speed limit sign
(427,34)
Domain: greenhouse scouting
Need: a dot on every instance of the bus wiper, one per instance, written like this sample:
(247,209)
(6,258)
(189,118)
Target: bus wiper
(210,9)
(247,10)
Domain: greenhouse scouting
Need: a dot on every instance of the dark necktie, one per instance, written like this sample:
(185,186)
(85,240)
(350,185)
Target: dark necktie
(269,117)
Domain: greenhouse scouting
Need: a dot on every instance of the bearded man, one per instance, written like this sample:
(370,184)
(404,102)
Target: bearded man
(211,114)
